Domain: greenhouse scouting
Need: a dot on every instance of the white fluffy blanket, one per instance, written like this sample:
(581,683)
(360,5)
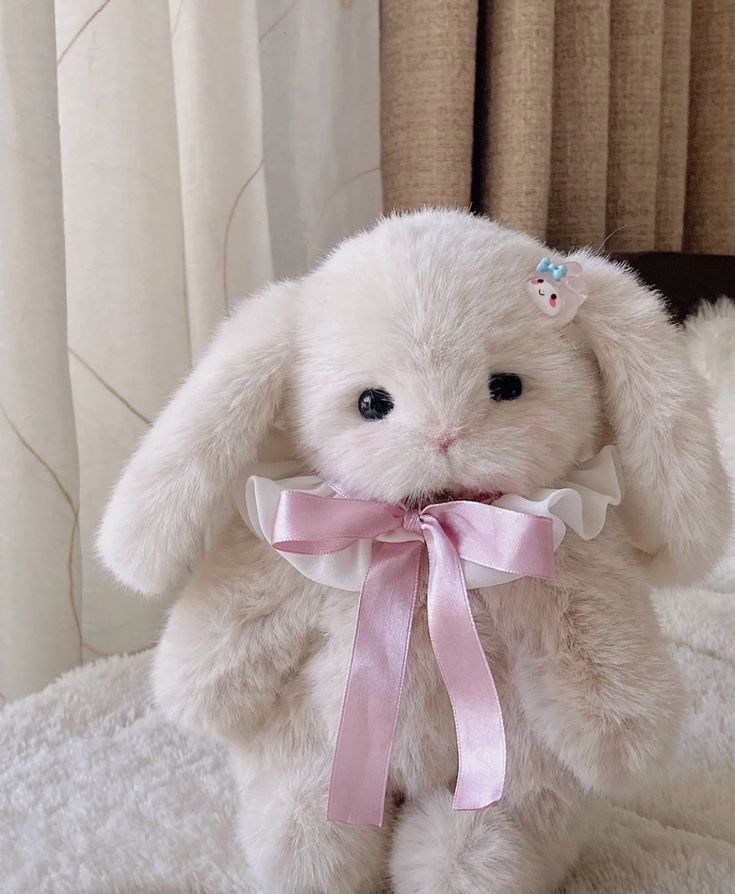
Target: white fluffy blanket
(99,796)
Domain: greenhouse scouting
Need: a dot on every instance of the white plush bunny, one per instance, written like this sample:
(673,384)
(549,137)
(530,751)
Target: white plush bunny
(383,368)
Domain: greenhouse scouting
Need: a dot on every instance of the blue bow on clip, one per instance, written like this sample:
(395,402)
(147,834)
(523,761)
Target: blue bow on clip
(556,271)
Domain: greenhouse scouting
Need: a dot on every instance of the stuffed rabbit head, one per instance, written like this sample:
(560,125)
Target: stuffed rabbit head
(413,364)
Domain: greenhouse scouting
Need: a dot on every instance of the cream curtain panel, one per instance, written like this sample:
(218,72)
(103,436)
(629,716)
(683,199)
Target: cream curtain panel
(203,148)
(575,120)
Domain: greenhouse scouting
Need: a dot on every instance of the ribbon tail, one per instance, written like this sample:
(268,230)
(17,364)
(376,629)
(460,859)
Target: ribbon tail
(374,683)
(478,717)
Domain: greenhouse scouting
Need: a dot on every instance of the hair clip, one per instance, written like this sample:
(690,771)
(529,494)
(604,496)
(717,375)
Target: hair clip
(558,290)
(556,271)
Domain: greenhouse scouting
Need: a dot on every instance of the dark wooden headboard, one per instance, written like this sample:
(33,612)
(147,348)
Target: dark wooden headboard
(685,280)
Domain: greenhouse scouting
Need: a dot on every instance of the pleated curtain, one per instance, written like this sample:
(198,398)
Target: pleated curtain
(158,161)
(579,121)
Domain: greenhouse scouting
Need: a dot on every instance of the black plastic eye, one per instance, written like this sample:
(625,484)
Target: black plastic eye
(505,386)
(375,403)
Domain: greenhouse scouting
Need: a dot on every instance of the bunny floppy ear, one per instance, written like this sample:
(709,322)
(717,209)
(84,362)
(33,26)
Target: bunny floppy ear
(209,431)
(676,503)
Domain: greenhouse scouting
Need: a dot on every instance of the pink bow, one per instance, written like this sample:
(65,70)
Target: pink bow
(476,532)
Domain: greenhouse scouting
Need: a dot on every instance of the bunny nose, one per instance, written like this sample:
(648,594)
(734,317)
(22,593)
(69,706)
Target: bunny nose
(445,440)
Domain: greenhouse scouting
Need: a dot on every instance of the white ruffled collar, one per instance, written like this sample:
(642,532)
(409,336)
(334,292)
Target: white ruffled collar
(580,503)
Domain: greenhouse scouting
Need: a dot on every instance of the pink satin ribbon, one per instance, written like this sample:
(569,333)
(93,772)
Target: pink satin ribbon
(487,535)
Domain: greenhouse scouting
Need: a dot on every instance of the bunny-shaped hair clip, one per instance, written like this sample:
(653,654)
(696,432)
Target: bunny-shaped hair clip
(558,290)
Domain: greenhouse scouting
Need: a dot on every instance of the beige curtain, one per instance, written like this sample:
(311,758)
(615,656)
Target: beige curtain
(39,479)
(181,192)
(576,120)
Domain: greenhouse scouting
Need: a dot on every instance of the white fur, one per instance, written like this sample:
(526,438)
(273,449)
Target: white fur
(426,306)
(711,342)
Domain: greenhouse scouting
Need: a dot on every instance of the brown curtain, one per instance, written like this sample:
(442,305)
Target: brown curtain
(579,121)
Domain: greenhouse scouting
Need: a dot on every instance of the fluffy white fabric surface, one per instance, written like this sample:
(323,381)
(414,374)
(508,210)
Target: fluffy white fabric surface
(99,794)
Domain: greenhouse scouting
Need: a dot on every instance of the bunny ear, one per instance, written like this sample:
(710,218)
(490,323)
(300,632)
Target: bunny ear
(209,431)
(676,504)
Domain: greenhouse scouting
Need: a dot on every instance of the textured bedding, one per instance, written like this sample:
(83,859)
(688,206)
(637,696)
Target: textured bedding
(99,795)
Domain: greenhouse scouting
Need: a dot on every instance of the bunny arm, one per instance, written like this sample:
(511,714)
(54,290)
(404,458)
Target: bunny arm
(592,674)
(235,640)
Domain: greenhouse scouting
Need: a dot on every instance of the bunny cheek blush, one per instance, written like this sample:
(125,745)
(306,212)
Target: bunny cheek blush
(456,462)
